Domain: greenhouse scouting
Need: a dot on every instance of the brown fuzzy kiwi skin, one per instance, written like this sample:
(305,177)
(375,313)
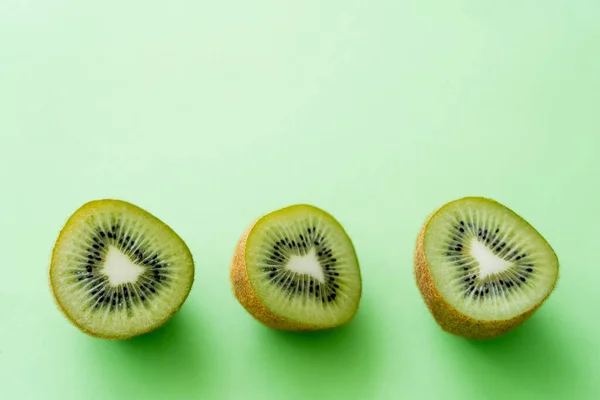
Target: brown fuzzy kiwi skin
(244,293)
(447,317)
(89,206)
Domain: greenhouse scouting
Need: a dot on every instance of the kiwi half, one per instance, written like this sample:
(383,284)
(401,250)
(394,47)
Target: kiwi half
(296,269)
(117,271)
(481,268)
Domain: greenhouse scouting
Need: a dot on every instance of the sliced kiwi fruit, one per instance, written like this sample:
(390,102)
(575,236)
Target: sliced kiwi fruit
(481,268)
(296,269)
(117,271)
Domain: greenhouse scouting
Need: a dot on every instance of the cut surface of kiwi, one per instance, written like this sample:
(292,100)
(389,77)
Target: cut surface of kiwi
(117,271)
(481,268)
(296,269)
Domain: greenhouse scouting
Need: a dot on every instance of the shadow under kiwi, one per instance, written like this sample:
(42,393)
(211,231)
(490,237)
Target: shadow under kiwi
(335,363)
(166,359)
(532,360)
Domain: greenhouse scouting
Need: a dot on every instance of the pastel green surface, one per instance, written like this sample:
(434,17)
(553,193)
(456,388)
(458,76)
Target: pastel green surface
(210,114)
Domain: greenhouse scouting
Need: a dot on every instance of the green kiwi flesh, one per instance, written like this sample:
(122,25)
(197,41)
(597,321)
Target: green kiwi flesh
(482,268)
(117,271)
(302,268)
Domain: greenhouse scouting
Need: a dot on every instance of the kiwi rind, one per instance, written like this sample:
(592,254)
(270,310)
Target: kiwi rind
(70,224)
(447,317)
(247,297)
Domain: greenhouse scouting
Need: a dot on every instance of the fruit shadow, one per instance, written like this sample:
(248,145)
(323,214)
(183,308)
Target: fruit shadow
(162,360)
(343,360)
(533,359)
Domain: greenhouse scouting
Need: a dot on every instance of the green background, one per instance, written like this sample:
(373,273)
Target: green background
(209,114)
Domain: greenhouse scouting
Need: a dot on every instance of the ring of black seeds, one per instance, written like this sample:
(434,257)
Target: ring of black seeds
(295,284)
(464,263)
(105,296)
